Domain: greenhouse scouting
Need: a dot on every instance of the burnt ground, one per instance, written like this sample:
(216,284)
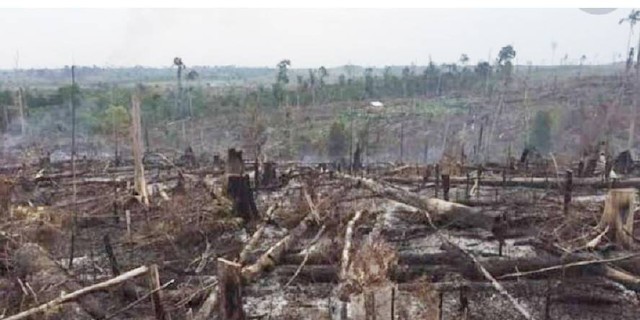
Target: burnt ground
(429,274)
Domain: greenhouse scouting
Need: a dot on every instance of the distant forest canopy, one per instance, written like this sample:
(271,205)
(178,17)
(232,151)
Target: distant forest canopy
(291,86)
(195,92)
(237,75)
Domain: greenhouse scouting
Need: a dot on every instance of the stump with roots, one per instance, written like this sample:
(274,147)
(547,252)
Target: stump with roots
(618,216)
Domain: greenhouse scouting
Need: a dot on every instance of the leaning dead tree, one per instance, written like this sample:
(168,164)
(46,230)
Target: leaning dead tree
(136,146)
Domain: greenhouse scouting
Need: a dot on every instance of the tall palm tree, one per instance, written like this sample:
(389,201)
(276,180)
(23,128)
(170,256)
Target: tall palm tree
(632,19)
(177,61)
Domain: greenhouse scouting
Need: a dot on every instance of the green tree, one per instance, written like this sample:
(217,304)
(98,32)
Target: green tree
(464,59)
(115,119)
(483,70)
(282,79)
(506,54)
(337,141)
(541,131)
(368,82)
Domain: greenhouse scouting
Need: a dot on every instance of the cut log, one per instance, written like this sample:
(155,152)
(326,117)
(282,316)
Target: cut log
(156,293)
(230,290)
(440,210)
(618,215)
(253,241)
(539,182)
(269,259)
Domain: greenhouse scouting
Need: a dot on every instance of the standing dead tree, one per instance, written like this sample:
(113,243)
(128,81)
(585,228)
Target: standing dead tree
(136,146)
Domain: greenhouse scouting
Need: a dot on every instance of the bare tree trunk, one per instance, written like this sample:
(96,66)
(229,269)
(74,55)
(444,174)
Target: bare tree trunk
(21,107)
(5,118)
(136,146)
(634,111)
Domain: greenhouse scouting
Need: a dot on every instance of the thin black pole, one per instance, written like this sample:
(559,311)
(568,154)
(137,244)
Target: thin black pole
(73,164)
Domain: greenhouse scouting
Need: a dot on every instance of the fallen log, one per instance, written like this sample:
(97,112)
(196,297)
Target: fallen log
(35,260)
(540,183)
(442,211)
(265,262)
(268,260)
(253,241)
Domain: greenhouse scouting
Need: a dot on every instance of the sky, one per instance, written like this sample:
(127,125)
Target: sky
(39,38)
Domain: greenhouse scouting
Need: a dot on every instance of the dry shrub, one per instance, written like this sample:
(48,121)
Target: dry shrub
(618,215)
(371,265)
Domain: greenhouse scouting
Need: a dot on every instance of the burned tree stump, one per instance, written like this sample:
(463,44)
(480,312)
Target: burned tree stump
(618,216)
(217,162)
(445,187)
(239,190)
(235,165)
(230,290)
(239,187)
(6,187)
(623,162)
(269,176)
(437,186)
(568,186)
(356,165)
(189,158)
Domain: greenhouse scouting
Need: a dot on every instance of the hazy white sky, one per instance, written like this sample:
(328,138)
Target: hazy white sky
(309,37)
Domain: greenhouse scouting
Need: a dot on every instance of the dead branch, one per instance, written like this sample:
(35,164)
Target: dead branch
(306,255)
(84,291)
(348,237)
(253,241)
(566,266)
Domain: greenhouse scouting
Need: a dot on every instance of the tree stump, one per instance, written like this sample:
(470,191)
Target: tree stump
(230,290)
(239,190)
(356,165)
(618,215)
(269,177)
(6,187)
(445,187)
(235,165)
